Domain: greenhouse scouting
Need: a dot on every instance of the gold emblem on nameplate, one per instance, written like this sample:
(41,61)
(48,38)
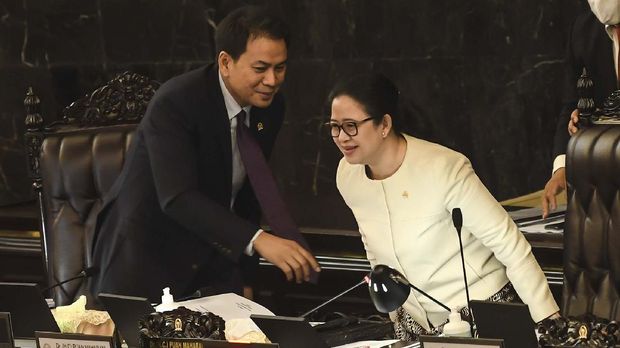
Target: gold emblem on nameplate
(405,194)
(583,332)
(260,126)
(178,324)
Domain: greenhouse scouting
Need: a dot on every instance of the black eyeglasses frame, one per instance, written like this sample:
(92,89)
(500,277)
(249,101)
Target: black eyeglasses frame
(332,126)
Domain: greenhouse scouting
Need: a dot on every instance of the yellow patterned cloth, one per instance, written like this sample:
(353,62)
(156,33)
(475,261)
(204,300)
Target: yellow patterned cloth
(244,331)
(75,318)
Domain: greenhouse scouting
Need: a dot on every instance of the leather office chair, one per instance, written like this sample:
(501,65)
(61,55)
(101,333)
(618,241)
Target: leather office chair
(73,163)
(592,228)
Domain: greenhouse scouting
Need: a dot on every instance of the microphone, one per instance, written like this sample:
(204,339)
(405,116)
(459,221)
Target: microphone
(457,220)
(365,280)
(388,289)
(85,273)
(202,292)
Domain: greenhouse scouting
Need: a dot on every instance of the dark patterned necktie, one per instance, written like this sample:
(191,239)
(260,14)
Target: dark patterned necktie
(265,188)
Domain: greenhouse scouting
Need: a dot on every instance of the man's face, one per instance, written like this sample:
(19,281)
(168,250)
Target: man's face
(255,77)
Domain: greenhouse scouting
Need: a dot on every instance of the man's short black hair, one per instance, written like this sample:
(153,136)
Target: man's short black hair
(245,23)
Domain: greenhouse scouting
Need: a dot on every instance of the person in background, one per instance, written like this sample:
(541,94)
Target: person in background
(402,190)
(593,46)
(183,213)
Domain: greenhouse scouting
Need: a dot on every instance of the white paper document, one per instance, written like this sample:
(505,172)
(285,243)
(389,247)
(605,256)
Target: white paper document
(533,213)
(367,344)
(530,220)
(228,306)
(548,225)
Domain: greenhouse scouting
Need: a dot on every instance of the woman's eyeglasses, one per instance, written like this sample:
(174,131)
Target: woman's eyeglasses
(348,127)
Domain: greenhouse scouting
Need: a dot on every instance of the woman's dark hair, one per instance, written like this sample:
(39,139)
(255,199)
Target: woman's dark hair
(248,22)
(375,92)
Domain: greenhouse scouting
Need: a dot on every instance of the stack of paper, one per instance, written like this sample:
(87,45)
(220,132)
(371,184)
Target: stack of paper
(530,220)
(228,306)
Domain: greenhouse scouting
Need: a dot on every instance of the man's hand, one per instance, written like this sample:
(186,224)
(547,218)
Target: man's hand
(287,255)
(572,123)
(554,186)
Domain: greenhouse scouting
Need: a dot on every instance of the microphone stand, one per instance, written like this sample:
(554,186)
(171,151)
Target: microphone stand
(429,297)
(85,273)
(457,219)
(81,275)
(334,298)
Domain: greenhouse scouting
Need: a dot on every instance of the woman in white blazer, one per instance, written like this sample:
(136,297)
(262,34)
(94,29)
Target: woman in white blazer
(402,190)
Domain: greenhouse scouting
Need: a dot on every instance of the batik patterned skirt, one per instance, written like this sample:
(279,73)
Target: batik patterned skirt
(407,329)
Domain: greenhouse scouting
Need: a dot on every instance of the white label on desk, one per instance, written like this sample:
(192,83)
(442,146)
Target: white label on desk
(454,345)
(46,342)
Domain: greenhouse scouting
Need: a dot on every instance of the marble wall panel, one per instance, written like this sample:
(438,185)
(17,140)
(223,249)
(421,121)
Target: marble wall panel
(479,76)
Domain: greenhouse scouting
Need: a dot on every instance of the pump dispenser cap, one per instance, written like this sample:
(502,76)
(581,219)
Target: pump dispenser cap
(167,298)
(454,317)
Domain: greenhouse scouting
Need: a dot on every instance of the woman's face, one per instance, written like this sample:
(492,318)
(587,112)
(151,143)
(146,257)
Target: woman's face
(363,147)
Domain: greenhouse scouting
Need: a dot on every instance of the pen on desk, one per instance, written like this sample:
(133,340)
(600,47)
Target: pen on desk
(541,221)
(558,226)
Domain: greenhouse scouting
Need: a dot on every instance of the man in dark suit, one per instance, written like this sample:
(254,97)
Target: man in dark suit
(591,47)
(182,213)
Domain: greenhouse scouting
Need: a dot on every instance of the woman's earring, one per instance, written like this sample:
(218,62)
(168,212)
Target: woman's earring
(383,134)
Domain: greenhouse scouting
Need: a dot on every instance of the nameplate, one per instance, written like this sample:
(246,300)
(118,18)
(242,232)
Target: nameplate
(459,342)
(199,343)
(60,340)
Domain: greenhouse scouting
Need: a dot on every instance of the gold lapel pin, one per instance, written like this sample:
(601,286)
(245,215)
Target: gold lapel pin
(260,126)
(405,194)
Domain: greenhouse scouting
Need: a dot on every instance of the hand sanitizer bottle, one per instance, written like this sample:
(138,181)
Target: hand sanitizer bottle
(167,301)
(456,327)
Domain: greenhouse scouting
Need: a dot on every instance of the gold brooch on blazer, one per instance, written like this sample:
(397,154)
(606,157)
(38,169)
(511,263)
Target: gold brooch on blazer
(405,194)
(260,126)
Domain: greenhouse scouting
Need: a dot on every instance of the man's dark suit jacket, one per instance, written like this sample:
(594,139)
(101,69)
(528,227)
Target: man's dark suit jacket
(589,47)
(167,219)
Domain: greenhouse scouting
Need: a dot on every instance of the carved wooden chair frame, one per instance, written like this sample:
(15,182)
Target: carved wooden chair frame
(123,100)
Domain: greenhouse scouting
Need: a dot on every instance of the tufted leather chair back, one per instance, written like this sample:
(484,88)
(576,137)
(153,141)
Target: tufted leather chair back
(592,228)
(73,164)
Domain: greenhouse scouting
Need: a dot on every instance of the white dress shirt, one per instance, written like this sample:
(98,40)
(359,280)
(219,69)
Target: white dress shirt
(611,31)
(238,169)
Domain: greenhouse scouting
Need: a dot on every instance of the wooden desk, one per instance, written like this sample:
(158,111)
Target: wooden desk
(340,252)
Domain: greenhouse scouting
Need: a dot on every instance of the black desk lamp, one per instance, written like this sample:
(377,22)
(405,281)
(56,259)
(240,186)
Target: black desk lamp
(389,289)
